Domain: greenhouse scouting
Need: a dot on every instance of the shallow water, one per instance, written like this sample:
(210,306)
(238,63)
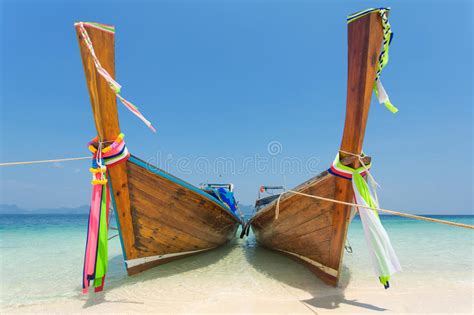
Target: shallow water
(41,259)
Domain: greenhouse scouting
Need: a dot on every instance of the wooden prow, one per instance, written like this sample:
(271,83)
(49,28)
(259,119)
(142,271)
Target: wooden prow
(104,108)
(364,44)
(365,37)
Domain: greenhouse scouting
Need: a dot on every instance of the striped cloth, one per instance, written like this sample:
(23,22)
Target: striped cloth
(96,253)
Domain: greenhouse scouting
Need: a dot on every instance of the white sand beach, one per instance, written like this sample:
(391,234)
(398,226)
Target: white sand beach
(242,278)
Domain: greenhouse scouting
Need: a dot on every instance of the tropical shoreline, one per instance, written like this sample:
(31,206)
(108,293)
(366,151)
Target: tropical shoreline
(242,277)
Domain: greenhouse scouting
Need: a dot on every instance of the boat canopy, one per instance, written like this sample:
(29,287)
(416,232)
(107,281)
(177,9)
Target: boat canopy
(224,193)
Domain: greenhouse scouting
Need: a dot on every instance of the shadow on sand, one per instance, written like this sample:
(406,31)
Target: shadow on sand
(117,276)
(291,273)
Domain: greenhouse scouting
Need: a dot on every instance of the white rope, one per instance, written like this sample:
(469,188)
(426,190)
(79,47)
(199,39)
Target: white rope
(373,183)
(46,161)
(401,214)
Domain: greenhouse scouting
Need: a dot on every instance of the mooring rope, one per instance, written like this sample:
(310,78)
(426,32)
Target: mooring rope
(45,161)
(401,214)
(277,210)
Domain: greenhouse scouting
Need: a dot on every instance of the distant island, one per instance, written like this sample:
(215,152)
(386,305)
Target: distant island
(14,209)
(246,209)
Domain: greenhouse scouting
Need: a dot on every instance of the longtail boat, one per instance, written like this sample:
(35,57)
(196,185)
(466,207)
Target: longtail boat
(313,230)
(160,217)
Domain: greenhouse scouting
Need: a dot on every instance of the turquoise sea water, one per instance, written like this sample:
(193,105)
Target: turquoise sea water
(41,255)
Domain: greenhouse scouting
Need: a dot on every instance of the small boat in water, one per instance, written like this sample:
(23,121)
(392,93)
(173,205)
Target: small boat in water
(160,217)
(313,230)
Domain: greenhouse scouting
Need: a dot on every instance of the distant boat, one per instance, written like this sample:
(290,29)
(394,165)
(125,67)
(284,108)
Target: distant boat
(312,231)
(160,217)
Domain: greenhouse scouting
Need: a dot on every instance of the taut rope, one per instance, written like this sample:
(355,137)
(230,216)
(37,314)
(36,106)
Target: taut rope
(401,214)
(45,161)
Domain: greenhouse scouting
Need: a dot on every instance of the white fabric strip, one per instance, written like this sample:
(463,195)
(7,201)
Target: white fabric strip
(382,95)
(382,254)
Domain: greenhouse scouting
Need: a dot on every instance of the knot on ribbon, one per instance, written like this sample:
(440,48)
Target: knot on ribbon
(96,257)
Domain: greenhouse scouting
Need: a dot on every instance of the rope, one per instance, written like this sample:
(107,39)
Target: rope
(401,214)
(348,247)
(114,85)
(45,161)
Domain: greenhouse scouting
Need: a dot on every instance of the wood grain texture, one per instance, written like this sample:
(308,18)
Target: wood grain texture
(157,216)
(170,218)
(364,44)
(104,109)
(304,225)
(313,230)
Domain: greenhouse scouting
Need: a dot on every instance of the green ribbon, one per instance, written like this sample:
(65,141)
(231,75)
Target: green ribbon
(362,189)
(102,251)
(383,58)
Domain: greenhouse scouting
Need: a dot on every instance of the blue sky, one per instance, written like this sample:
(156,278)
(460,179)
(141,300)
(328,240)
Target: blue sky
(223,79)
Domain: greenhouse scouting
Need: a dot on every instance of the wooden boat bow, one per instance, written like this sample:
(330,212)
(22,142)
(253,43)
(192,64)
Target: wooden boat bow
(160,217)
(311,231)
(104,109)
(364,44)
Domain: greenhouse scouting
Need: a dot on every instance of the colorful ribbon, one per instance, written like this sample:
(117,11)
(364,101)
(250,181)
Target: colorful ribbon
(380,92)
(96,253)
(112,83)
(384,259)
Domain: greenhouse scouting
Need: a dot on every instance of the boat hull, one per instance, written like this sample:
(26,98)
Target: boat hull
(160,218)
(314,231)
(171,219)
(307,230)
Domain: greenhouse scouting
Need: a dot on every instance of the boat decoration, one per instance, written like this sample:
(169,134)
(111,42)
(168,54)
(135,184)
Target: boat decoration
(379,90)
(384,260)
(95,258)
(160,218)
(107,77)
(309,223)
